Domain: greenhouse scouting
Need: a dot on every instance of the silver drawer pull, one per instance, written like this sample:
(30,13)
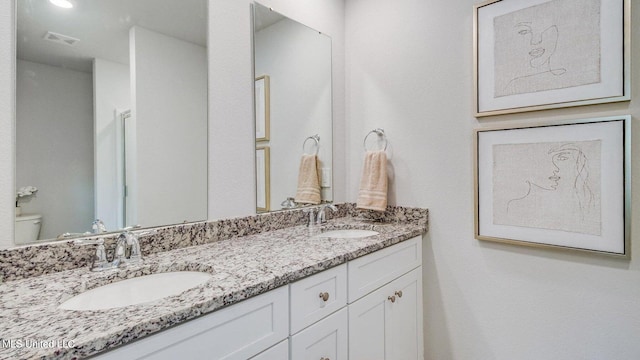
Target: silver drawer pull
(324,296)
(392,299)
(399,293)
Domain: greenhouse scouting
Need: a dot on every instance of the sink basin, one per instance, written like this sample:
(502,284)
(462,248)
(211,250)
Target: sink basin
(136,290)
(347,234)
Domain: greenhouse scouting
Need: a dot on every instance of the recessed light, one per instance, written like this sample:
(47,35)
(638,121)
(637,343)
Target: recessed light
(62,3)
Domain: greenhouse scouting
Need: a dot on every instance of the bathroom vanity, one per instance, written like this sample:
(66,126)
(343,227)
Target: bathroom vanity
(289,292)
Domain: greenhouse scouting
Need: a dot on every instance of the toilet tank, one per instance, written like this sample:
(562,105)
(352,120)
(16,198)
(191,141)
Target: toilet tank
(27,228)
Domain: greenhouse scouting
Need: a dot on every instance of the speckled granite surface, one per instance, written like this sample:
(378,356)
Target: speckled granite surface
(256,256)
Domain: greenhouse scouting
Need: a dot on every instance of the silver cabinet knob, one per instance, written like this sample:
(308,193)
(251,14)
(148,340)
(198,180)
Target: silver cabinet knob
(392,298)
(324,296)
(399,293)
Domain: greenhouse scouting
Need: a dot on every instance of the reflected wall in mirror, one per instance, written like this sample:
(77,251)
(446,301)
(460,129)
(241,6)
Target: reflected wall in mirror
(111,115)
(297,62)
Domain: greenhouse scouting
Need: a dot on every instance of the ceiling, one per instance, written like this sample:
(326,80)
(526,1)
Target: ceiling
(102,26)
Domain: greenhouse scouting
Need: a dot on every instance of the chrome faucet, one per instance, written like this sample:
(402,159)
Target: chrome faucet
(322,217)
(127,250)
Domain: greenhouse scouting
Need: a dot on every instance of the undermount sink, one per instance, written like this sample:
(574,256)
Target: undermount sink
(347,233)
(136,290)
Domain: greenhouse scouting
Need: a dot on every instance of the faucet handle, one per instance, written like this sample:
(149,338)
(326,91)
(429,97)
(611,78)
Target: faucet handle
(98,227)
(135,254)
(100,260)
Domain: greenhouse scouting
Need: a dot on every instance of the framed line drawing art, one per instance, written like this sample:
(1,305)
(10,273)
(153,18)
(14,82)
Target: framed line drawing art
(561,185)
(262,108)
(263,182)
(544,54)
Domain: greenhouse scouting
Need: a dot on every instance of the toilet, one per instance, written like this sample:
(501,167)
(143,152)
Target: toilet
(27,228)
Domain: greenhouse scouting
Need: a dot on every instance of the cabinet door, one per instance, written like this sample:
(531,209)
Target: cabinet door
(387,323)
(404,334)
(367,322)
(326,339)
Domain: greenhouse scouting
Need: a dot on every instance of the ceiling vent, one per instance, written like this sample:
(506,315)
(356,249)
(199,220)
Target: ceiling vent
(60,39)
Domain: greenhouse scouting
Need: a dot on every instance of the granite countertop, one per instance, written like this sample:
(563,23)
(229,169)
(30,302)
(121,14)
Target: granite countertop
(33,327)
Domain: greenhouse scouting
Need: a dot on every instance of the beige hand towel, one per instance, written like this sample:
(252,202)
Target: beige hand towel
(373,185)
(308,182)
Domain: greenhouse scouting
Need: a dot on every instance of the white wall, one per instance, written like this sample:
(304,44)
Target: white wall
(54,146)
(231,132)
(170,110)
(298,62)
(111,95)
(409,70)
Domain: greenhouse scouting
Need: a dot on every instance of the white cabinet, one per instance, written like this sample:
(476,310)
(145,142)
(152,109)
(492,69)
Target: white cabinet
(387,322)
(326,339)
(369,308)
(236,332)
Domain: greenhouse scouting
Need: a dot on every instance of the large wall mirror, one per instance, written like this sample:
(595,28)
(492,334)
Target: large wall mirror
(111,115)
(292,65)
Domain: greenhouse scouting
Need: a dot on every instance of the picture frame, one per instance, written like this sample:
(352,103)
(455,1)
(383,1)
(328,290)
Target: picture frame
(532,55)
(262,108)
(263,181)
(555,185)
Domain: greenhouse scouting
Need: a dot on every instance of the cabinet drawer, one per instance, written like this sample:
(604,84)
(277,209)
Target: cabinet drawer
(376,269)
(236,332)
(326,339)
(307,302)
(277,352)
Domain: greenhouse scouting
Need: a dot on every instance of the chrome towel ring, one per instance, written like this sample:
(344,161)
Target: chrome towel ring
(315,138)
(380,133)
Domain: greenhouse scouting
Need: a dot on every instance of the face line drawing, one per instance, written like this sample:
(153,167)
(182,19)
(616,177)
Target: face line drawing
(576,161)
(542,46)
(580,166)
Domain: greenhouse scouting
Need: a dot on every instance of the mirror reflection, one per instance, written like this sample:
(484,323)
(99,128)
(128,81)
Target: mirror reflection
(292,65)
(111,119)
